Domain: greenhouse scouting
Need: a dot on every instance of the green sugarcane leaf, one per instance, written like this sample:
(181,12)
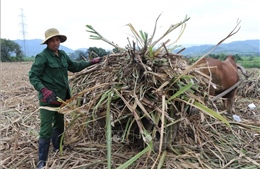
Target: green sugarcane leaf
(103,97)
(151,52)
(133,159)
(179,92)
(210,112)
(162,160)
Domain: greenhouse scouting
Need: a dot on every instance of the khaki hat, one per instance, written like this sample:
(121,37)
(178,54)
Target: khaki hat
(51,33)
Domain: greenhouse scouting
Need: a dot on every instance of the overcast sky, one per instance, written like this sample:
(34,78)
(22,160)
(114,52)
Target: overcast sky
(210,20)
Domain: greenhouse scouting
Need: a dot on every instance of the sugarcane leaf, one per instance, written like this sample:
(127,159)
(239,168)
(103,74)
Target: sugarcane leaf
(170,29)
(103,98)
(210,112)
(151,52)
(98,36)
(179,92)
(136,34)
(155,26)
(162,160)
(134,158)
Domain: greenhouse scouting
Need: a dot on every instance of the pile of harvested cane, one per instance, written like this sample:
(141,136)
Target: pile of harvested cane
(153,101)
(251,86)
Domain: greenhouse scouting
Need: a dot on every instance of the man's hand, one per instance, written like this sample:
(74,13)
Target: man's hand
(48,95)
(96,60)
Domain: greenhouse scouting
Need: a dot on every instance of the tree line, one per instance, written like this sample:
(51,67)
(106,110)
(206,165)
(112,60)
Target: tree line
(12,52)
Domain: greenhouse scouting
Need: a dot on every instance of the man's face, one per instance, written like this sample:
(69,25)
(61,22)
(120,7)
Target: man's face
(54,43)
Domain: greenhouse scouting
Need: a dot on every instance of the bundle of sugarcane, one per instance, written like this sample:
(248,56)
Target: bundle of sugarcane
(139,90)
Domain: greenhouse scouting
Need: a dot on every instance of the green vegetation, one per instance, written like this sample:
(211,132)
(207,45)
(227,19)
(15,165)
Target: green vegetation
(11,51)
(250,62)
(245,61)
(91,52)
(28,59)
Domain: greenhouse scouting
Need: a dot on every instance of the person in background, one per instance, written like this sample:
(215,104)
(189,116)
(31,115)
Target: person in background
(49,76)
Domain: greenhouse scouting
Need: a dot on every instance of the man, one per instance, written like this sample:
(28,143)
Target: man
(49,76)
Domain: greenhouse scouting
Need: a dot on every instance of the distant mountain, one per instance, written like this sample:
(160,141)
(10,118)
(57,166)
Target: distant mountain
(246,47)
(33,47)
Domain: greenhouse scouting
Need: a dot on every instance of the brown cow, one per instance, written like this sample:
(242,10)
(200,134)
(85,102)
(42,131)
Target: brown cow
(223,75)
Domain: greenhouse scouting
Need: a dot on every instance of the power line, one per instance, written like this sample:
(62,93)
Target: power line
(23,30)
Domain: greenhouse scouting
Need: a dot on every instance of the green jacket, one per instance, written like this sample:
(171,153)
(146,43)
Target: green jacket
(51,71)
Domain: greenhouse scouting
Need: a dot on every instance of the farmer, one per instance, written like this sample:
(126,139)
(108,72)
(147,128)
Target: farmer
(49,76)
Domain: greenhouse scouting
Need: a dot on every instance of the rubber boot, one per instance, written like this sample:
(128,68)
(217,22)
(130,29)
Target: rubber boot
(56,139)
(44,145)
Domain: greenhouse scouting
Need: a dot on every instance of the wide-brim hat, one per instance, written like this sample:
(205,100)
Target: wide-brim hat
(51,33)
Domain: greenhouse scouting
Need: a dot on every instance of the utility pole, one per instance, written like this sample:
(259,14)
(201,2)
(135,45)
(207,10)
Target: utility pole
(23,31)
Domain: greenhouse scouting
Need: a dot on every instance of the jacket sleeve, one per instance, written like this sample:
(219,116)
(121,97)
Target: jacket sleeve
(36,71)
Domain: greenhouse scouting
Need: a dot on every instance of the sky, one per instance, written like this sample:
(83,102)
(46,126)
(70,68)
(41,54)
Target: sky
(210,20)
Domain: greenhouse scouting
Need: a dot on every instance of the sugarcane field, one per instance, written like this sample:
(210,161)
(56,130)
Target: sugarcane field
(142,107)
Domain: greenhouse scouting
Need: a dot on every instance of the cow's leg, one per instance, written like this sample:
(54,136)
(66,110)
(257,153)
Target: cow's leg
(229,105)
(224,102)
(230,100)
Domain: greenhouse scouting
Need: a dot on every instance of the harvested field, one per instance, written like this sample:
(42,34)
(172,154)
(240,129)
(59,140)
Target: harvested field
(19,120)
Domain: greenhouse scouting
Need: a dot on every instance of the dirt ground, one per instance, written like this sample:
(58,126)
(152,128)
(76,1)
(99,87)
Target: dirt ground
(19,116)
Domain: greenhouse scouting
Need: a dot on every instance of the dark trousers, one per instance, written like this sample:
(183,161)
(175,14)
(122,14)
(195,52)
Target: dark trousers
(50,120)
